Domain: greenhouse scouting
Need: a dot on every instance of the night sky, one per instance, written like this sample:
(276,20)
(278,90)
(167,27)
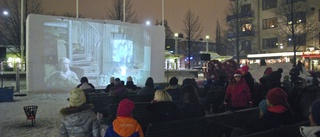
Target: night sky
(209,11)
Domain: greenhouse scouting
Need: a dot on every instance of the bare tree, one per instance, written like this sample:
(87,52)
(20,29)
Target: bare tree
(298,23)
(10,24)
(192,29)
(116,11)
(239,27)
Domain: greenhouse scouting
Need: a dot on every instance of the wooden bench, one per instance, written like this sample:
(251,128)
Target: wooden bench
(196,127)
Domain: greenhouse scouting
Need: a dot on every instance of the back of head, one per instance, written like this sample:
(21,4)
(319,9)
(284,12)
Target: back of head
(111,79)
(173,81)
(192,91)
(277,96)
(162,95)
(280,70)
(84,79)
(77,97)
(263,80)
(149,82)
(125,108)
(129,78)
(245,69)
(117,82)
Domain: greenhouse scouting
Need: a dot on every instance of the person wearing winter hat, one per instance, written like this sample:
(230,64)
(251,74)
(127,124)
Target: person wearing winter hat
(278,112)
(238,93)
(79,119)
(314,129)
(249,80)
(124,125)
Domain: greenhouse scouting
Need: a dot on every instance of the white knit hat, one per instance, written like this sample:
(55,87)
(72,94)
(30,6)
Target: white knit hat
(77,97)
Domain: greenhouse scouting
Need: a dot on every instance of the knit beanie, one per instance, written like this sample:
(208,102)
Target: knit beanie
(77,97)
(125,107)
(237,73)
(277,96)
(263,106)
(245,69)
(315,111)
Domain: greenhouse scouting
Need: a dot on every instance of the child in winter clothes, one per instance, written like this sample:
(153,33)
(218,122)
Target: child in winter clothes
(124,125)
(314,129)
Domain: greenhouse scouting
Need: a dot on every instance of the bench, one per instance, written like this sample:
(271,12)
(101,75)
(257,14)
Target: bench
(282,131)
(139,112)
(196,127)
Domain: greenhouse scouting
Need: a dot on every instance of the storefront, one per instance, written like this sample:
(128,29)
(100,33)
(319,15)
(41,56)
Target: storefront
(312,60)
(271,58)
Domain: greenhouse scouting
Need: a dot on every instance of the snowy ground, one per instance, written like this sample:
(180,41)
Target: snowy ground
(13,120)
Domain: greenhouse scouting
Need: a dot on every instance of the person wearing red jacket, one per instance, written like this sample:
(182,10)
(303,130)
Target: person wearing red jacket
(238,93)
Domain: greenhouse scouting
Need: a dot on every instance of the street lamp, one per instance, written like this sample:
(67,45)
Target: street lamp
(207,44)
(148,23)
(176,43)
(6,13)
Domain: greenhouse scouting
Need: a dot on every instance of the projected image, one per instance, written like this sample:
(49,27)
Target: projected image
(62,77)
(122,51)
(61,50)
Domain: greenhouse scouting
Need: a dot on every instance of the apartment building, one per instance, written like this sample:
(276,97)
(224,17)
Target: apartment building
(266,29)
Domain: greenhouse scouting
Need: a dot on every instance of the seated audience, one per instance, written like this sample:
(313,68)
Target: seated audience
(109,86)
(130,85)
(314,129)
(84,84)
(118,89)
(162,108)
(79,120)
(174,89)
(191,107)
(124,125)
(148,89)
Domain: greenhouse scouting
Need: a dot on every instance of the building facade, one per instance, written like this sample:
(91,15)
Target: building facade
(277,26)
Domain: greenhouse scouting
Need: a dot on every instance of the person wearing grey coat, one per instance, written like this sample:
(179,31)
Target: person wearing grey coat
(79,122)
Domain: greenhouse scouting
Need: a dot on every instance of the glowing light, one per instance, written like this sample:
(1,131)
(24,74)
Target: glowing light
(290,22)
(6,13)
(289,39)
(123,70)
(281,47)
(148,23)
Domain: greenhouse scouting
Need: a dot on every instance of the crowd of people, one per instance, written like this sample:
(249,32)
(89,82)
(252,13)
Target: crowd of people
(176,102)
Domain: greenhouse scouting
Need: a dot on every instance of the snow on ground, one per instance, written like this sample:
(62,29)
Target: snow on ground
(13,119)
(257,71)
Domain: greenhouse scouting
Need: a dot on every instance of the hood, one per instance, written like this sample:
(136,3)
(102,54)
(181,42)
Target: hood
(73,110)
(311,131)
(173,87)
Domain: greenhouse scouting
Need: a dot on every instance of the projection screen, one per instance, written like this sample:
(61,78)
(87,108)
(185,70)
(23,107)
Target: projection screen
(61,50)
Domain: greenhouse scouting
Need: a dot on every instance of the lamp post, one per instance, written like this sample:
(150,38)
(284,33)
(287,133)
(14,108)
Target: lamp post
(176,43)
(207,43)
(22,33)
(77,8)
(124,10)
(162,15)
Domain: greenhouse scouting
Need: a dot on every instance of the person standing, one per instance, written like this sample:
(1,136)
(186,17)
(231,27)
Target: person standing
(249,80)
(238,93)
(78,119)
(314,129)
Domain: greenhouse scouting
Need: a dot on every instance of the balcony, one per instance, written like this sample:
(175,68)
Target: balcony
(242,34)
(243,15)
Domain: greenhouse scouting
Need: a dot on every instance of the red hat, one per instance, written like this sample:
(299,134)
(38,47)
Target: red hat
(237,73)
(245,69)
(277,96)
(125,107)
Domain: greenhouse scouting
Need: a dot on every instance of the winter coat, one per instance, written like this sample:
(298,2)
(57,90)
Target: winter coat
(174,92)
(192,110)
(109,86)
(312,131)
(85,85)
(124,127)
(272,119)
(118,91)
(130,85)
(146,91)
(79,122)
(162,111)
(239,94)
